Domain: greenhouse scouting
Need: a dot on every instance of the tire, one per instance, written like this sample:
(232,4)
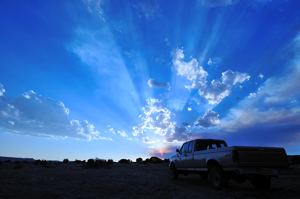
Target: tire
(173,172)
(218,178)
(203,176)
(261,182)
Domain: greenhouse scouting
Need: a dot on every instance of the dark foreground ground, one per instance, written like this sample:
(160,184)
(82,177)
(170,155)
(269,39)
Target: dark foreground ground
(121,181)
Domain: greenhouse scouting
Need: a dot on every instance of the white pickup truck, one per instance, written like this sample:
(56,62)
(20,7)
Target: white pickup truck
(215,159)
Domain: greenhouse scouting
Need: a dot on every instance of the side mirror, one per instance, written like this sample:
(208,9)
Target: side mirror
(177,150)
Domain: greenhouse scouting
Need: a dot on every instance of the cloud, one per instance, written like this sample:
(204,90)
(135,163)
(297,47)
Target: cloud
(209,62)
(216,91)
(209,119)
(261,76)
(122,133)
(149,8)
(214,61)
(218,3)
(32,114)
(190,70)
(152,83)
(156,118)
(95,6)
(271,106)
(189,108)
(252,95)
(112,130)
(147,140)
(179,134)
(137,131)
(2,90)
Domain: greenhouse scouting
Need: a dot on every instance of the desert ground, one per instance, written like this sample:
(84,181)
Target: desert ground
(70,180)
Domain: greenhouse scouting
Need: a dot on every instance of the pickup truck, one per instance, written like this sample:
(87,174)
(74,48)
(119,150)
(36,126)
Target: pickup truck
(214,159)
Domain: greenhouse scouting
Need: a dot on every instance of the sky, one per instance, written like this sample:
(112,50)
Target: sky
(127,79)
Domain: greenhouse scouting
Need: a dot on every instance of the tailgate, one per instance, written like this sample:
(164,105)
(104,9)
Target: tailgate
(262,156)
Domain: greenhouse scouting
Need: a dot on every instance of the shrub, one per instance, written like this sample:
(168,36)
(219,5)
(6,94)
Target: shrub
(7,161)
(66,161)
(95,164)
(124,161)
(17,162)
(77,161)
(1,162)
(139,160)
(25,162)
(110,162)
(296,159)
(43,162)
(37,162)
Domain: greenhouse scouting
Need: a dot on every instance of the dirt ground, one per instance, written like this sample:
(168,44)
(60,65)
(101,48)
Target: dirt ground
(126,181)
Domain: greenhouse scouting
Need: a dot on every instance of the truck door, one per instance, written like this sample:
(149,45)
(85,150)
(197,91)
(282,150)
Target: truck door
(186,156)
(181,156)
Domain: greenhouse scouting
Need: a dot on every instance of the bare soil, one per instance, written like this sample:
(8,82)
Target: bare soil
(127,181)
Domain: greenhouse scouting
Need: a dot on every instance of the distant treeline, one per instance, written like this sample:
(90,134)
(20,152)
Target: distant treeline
(90,163)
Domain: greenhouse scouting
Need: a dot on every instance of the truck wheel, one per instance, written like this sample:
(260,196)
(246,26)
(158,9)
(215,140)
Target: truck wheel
(203,176)
(261,182)
(218,178)
(173,172)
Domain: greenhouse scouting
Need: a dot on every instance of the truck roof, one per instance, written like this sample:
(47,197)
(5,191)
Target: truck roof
(206,140)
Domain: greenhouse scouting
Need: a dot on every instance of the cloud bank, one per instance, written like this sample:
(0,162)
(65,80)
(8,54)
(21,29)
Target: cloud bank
(32,114)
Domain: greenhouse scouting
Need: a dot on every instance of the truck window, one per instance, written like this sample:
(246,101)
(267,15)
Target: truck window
(184,148)
(200,145)
(190,147)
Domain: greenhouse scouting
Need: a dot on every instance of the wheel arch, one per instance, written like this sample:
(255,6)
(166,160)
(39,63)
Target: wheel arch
(212,162)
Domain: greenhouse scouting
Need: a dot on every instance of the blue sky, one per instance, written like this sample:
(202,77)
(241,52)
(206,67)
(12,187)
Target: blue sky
(127,79)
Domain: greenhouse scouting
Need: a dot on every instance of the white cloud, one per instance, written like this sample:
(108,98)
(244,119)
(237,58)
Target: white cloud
(189,108)
(2,90)
(214,92)
(137,131)
(152,83)
(209,62)
(122,133)
(147,140)
(252,95)
(190,70)
(178,134)
(217,91)
(156,118)
(209,119)
(151,147)
(261,76)
(270,106)
(94,6)
(32,114)
(112,130)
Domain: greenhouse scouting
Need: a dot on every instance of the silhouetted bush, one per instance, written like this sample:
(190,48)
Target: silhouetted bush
(1,162)
(110,162)
(37,162)
(25,162)
(124,161)
(295,159)
(43,162)
(7,161)
(95,164)
(139,160)
(66,161)
(78,161)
